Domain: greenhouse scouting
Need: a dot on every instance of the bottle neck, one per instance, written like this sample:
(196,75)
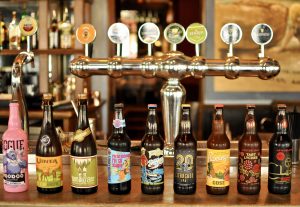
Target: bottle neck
(218,122)
(185,124)
(250,125)
(48,116)
(83,121)
(118,122)
(281,122)
(151,124)
(14,120)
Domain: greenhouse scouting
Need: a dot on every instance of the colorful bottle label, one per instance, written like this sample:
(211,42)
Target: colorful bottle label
(218,167)
(49,172)
(84,172)
(152,166)
(249,167)
(118,164)
(280,166)
(14,162)
(185,166)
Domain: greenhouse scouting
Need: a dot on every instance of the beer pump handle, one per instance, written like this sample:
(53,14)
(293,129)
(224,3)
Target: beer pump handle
(196,34)
(118,33)
(86,34)
(149,33)
(28,27)
(262,35)
(174,34)
(231,34)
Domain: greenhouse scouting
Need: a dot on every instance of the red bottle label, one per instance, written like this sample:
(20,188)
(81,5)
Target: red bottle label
(249,167)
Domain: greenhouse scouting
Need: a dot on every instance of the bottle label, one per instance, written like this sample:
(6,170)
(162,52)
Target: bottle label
(152,166)
(84,172)
(118,123)
(49,172)
(118,164)
(280,166)
(81,134)
(185,167)
(249,167)
(14,162)
(218,167)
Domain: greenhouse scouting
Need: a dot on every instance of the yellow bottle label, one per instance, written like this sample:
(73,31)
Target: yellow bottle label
(218,167)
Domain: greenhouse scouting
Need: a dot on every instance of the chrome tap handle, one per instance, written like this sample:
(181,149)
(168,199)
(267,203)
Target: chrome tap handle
(231,34)
(196,34)
(174,34)
(118,33)
(149,33)
(262,35)
(86,34)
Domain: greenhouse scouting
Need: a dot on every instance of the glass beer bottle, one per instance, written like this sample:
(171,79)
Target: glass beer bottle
(218,156)
(84,169)
(48,153)
(249,161)
(119,176)
(185,156)
(152,155)
(280,156)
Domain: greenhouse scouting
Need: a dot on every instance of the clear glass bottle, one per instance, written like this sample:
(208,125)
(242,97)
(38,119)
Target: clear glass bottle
(14,33)
(66,31)
(53,32)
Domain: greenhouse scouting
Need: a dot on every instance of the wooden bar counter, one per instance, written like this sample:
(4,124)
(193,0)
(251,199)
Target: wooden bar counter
(136,198)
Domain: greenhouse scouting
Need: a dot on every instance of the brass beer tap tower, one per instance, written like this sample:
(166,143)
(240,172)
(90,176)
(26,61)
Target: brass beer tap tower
(174,65)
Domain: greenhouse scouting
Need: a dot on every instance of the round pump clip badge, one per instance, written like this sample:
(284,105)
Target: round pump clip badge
(174,33)
(231,33)
(262,34)
(86,33)
(28,26)
(118,33)
(196,33)
(149,33)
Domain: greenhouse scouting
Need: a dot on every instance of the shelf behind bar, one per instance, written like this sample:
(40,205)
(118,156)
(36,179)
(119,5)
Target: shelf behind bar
(48,51)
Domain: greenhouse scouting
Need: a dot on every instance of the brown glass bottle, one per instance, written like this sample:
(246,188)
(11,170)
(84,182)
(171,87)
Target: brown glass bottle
(280,156)
(249,161)
(152,155)
(84,169)
(119,175)
(185,155)
(48,153)
(218,156)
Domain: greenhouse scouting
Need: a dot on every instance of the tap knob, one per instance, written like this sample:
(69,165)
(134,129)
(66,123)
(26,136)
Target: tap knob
(148,34)
(196,34)
(231,34)
(86,34)
(118,33)
(28,26)
(262,35)
(174,34)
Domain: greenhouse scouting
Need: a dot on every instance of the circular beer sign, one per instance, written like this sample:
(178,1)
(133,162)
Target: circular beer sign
(149,33)
(86,33)
(174,33)
(196,33)
(28,26)
(231,33)
(262,34)
(118,33)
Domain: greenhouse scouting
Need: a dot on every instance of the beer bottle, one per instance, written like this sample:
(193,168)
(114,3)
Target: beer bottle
(249,161)
(280,156)
(48,153)
(119,176)
(185,155)
(152,155)
(84,173)
(218,156)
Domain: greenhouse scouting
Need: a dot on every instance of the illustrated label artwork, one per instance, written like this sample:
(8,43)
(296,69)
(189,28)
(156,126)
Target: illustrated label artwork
(280,166)
(118,166)
(49,172)
(14,162)
(218,166)
(84,172)
(185,162)
(152,166)
(249,167)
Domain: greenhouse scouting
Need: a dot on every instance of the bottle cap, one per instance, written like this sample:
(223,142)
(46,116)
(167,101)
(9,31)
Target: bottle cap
(185,106)
(47,96)
(152,106)
(82,96)
(119,105)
